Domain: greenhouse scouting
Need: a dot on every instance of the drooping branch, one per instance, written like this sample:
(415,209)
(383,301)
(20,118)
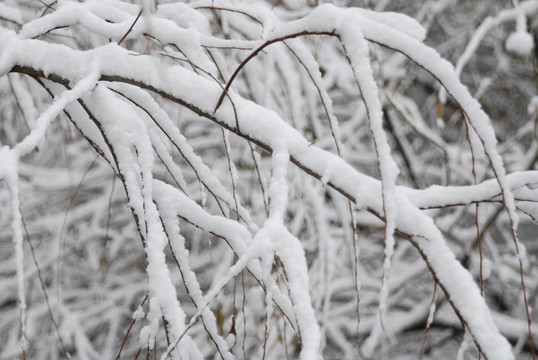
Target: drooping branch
(357,187)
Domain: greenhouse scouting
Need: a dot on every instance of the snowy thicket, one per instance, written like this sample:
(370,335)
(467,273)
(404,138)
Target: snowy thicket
(268,179)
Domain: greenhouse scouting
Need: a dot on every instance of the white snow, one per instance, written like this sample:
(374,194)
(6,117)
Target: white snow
(11,14)
(130,137)
(68,96)
(520,43)
(9,173)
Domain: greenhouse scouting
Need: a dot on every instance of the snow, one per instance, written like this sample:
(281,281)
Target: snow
(431,61)
(520,43)
(235,234)
(464,293)
(507,15)
(184,15)
(177,242)
(9,173)
(266,128)
(10,13)
(68,96)
(438,196)
(131,127)
(126,131)
(164,125)
(274,238)
(397,21)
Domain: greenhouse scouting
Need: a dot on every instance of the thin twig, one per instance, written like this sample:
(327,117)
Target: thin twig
(260,48)
(131,28)
(43,288)
(427,326)
(129,330)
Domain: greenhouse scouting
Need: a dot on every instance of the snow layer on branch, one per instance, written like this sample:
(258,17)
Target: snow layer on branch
(164,126)
(68,96)
(11,14)
(92,15)
(291,253)
(462,290)
(185,16)
(9,173)
(527,7)
(235,234)
(440,196)
(265,126)
(356,49)
(127,133)
(397,21)
(444,72)
(166,205)
(122,129)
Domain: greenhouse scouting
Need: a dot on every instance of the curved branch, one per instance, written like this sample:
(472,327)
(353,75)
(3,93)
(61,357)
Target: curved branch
(357,187)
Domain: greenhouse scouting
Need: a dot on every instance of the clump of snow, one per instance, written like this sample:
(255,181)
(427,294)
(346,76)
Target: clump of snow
(139,313)
(520,43)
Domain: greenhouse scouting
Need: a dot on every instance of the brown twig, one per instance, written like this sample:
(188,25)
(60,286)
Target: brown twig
(131,28)
(427,327)
(321,98)
(311,171)
(477,226)
(231,10)
(47,6)
(43,288)
(260,48)
(230,170)
(129,330)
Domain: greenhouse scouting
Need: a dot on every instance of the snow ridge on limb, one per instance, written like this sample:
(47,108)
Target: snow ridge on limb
(444,72)
(43,121)
(291,253)
(164,126)
(129,140)
(167,210)
(346,26)
(436,196)
(472,112)
(261,126)
(236,235)
(512,14)
(9,173)
(356,49)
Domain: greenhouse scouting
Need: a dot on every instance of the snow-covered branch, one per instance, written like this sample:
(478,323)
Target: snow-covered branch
(265,154)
